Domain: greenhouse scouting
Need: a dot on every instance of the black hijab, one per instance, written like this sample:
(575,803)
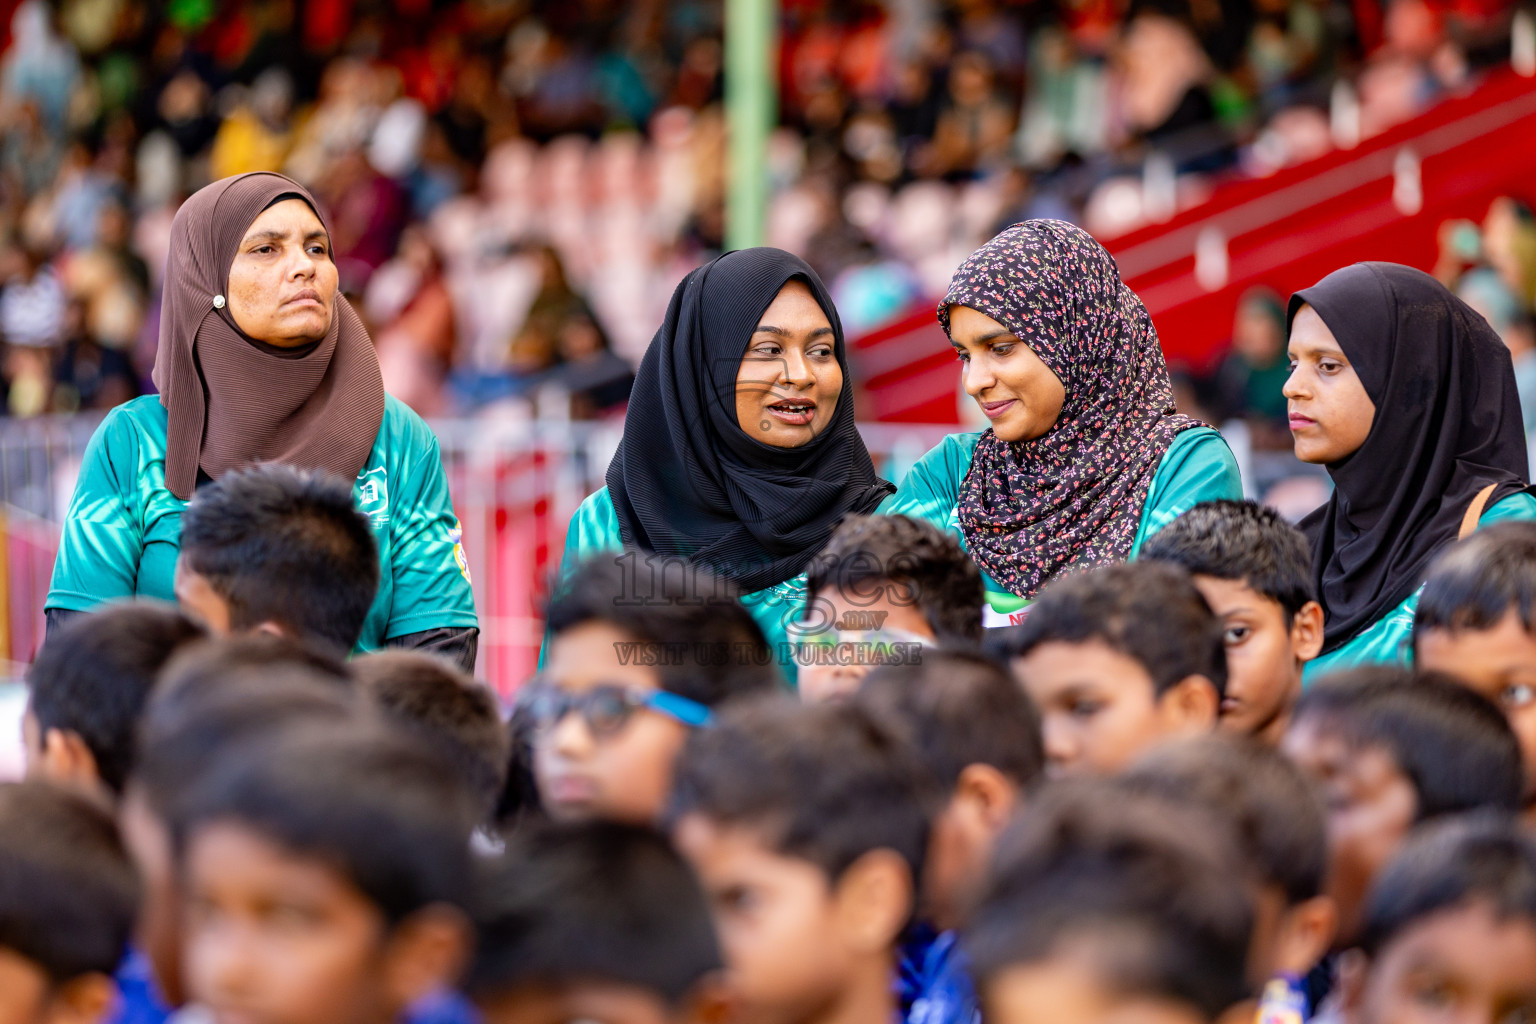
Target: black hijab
(1447,425)
(687,480)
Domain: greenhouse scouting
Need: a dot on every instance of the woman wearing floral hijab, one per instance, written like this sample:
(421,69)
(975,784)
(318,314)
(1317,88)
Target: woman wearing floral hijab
(1086,456)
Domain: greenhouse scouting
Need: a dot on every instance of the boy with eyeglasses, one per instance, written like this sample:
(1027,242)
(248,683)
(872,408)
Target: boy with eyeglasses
(634,662)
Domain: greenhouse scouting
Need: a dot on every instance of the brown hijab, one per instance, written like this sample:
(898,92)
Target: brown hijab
(230,400)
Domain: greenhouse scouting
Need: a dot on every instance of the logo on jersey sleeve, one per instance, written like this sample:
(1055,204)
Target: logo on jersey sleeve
(372,494)
(456,538)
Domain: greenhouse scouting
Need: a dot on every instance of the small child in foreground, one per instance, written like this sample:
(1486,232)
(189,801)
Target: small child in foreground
(594,921)
(883,581)
(88,687)
(1118,660)
(1476,622)
(1450,930)
(1255,571)
(1283,838)
(630,670)
(428,695)
(1109,905)
(325,873)
(1391,750)
(67,898)
(807,825)
(979,738)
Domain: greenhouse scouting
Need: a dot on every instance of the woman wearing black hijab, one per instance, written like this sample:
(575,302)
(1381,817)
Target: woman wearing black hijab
(1408,398)
(740,452)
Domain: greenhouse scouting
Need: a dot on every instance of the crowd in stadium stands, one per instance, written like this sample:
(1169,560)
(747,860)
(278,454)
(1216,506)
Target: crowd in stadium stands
(515,187)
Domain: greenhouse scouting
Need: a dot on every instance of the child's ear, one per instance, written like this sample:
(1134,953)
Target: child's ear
(1306,935)
(712,1000)
(426,953)
(874,900)
(269,628)
(83,1000)
(1354,969)
(66,759)
(987,795)
(1190,705)
(1307,631)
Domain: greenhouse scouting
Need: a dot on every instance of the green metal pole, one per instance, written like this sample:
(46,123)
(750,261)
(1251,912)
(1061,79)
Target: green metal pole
(751,59)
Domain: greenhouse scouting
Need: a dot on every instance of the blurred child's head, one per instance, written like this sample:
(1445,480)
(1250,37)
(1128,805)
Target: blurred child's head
(1282,837)
(885,578)
(184,732)
(1389,750)
(88,687)
(323,868)
(67,898)
(280,549)
(979,737)
(430,696)
(220,662)
(593,921)
(642,652)
(807,825)
(1112,906)
(1117,660)
(1476,620)
(1450,929)
(1255,571)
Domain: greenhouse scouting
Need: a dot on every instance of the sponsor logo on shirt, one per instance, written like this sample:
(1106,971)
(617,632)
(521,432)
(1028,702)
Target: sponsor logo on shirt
(456,537)
(372,493)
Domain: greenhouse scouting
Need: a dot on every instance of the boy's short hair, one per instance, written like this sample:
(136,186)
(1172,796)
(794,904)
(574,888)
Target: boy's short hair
(657,600)
(591,902)
(94,676)
(928,565)
(431,697)
(1281,826)
(186,730)
(1476,582)
(285,545)
(1486,857)
(825,783)
(1154,882)
(1453,746)
(223,660)
(1150,612)
(379,806)
(1242,541)
(68,892)
(961,709)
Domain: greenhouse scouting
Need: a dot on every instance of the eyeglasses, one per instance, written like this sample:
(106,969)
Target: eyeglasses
(606,708)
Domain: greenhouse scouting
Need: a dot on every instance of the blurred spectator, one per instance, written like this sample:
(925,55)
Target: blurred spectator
(1487,292)
(1248,383)
(448,138)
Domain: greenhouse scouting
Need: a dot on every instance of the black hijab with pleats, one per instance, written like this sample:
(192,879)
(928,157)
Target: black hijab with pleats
(1447,425)
(688,481)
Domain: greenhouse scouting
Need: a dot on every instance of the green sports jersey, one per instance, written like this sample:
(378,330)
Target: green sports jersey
(1198,466)
(1388,640)
(123,531)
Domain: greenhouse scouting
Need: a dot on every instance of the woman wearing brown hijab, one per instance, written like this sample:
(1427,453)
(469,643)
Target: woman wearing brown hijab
(262,360)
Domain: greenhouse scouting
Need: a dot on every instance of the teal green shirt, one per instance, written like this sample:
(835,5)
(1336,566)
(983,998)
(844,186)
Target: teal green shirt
(1198,466)
(1386,641)
(123,531)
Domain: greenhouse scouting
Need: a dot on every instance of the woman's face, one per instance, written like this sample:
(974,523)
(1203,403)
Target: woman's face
(282,284)
(1330,413)
(1015,389)
(789,381)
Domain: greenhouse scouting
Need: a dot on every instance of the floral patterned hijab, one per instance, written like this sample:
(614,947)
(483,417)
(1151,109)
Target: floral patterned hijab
(1070,499)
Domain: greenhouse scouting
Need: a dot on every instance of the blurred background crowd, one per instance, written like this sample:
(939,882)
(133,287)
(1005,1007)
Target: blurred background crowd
(515,186)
